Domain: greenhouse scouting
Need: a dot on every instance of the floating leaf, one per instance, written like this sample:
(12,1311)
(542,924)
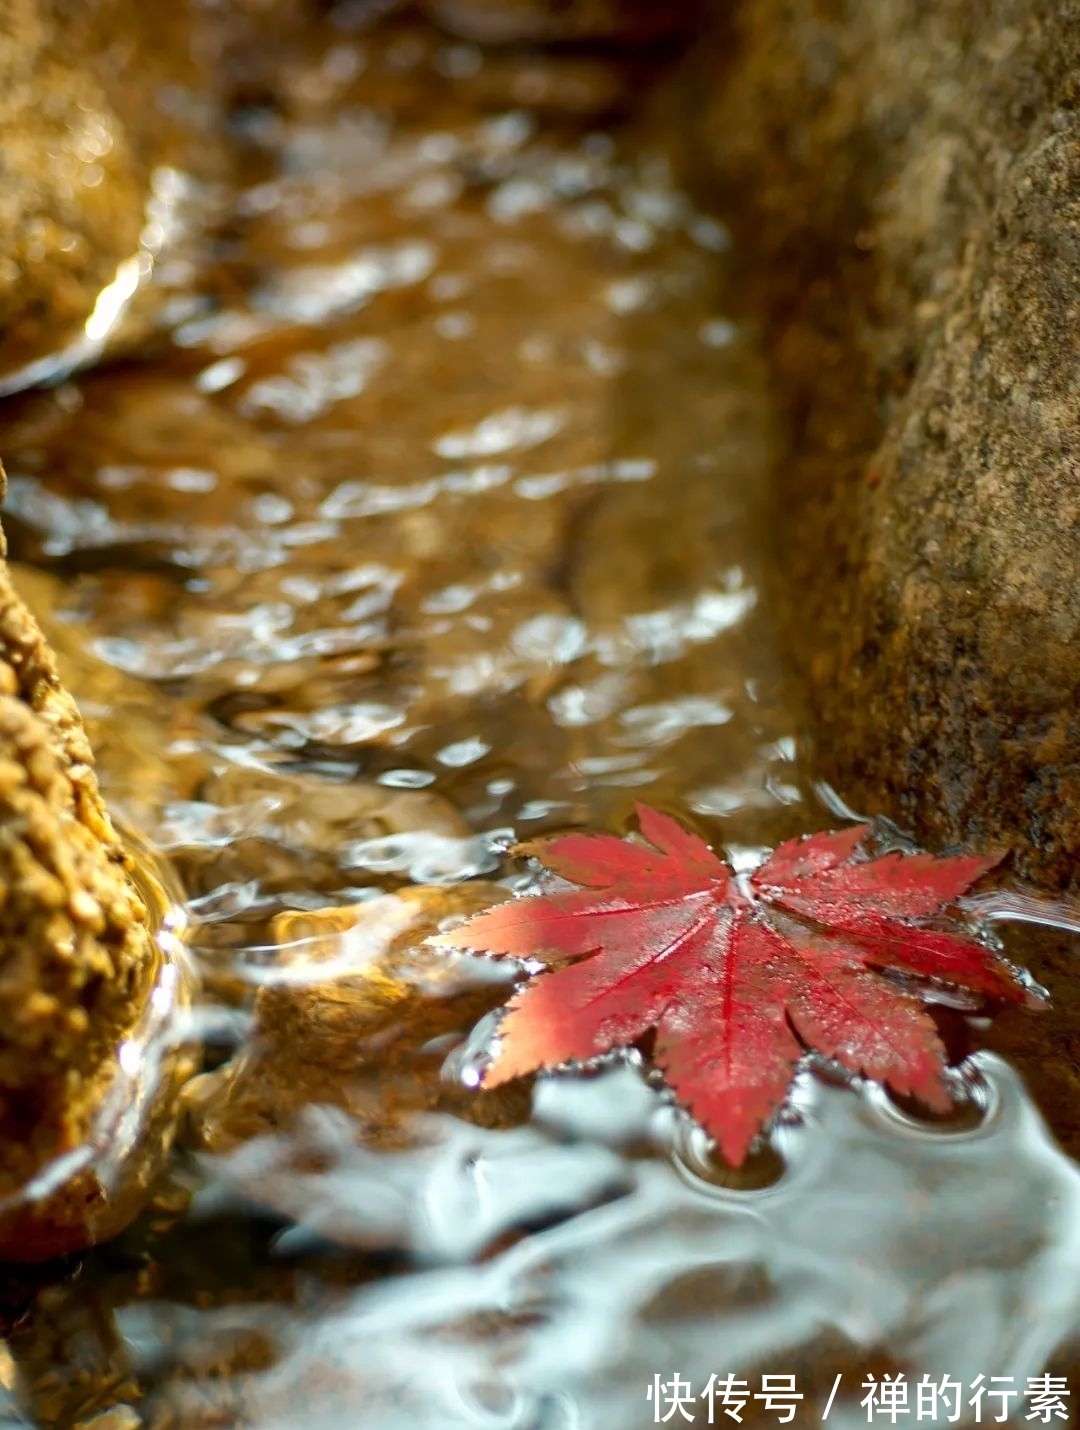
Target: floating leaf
(739,976)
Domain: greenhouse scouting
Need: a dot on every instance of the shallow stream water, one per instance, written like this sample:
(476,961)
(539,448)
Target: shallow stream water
(439,520)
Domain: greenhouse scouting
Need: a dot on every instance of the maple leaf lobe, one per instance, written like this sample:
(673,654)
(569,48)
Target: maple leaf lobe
(739,978)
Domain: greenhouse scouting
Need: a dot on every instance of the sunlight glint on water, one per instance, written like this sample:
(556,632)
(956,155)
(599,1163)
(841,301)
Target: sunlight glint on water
(667,1271)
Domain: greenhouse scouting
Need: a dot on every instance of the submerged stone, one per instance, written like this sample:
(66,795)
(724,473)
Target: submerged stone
(355,1012)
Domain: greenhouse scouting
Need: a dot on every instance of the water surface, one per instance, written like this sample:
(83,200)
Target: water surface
(437,519)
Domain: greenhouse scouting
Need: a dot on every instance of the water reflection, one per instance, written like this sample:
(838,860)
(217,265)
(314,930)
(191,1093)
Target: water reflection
(865,1246)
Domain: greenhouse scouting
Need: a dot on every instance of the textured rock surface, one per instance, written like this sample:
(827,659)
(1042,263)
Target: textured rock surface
(78,958)
(908,175)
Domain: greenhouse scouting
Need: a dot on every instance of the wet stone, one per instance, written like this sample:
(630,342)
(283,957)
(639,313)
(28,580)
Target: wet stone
(899,168)
(84,971)
(97,170)
(354,1012)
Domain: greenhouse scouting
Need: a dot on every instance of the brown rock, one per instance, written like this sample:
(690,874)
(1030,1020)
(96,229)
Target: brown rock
(103,107)
(79,961)
(357,1013)
(910,177)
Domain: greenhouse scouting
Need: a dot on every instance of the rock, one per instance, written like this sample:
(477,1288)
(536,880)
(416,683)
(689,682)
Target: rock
(908,178)
(103,113)
(356,1013)
(81,973)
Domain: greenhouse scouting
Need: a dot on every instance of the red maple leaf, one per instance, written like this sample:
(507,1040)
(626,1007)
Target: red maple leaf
(739,975)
